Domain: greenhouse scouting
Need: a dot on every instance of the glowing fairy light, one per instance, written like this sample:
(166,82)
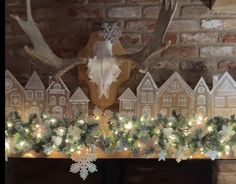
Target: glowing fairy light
(125,148)
(128,126)
(96,118)
(39,135)
(53,120)
(191,156)
(142,119)
(120,118)
(72,150)
(172,137)
(37,126)
(116,132)
(27,130)
(81,121)
(152,119)
(220,154)
(61,130)
(45,116)
(22,143)
(170,123)
(190,123)
(67,141)
(9,124)
(210,129)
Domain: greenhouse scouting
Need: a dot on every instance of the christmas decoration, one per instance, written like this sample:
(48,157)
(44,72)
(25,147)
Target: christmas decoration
(223,96)
(83,165)
(166,137)
(111,32)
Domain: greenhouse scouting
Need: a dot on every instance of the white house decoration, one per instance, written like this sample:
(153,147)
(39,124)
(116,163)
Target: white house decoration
(146,97)
(58,96)
(175,95)
(14,95)
(128,103)
(79,102)
(202,98)
(35,95)
(223,96)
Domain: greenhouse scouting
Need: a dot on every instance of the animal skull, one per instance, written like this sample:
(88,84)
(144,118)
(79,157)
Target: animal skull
(103,68)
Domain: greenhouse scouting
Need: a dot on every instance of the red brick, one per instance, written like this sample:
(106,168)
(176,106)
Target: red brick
(184,26)
(13,2)
(8,28)
(169,37)
(151,11)
(60,27)
(105,1)
(193,65)
(85,12)
(228,37)
(140,26)
(130,39)
(19,40)
(181,52)
(218,51)
(218,24)
(144,1)
(199,38)
(194,11)
(125,12)
(226,64)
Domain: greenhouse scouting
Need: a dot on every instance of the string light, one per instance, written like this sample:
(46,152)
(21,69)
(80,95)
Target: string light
(9,124)
(53,120)
(81,121)
(39,135)
(67,140)
(128,126)
(210,128)
(22,143)
(125,149)
(170,123)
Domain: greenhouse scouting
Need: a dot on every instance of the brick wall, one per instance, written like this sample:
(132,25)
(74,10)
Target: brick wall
(204,42)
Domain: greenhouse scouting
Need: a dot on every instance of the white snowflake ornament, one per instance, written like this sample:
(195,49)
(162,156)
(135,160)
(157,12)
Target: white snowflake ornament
(162,155)
(84,166)
(180,155)
(110,31)
(212,154)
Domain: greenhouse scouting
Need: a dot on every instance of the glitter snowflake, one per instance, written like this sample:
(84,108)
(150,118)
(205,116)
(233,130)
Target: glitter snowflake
(110,31)
(84,166)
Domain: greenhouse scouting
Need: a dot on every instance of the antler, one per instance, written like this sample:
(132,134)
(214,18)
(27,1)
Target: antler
(155,45)
(41,49)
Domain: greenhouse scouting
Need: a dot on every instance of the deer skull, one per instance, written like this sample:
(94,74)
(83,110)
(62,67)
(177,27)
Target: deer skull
(103,68)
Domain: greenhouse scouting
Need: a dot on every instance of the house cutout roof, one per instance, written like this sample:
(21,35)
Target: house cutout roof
(34,82)
(201,82)
(226,83)
(173,77)
(8,74)
(79,96)
(58,81)
(147,79)
(127,95)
